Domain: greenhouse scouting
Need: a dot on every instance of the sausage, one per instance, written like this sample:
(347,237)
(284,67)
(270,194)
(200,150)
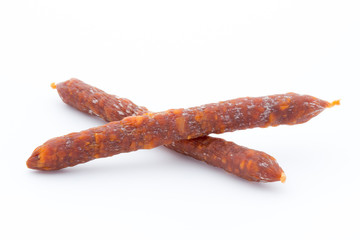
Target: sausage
(255,165)
(154,129)
(246,163)
(94,101)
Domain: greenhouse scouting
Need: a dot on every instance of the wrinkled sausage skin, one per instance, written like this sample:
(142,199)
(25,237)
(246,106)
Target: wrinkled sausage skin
(154,129)
(241,161)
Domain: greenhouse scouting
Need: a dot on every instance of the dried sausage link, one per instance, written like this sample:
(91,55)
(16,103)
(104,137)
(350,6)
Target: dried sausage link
(154,129)
(94,101)
(244,162)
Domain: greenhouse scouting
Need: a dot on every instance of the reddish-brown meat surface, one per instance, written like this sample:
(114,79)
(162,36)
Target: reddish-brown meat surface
(244,162)
(154,129)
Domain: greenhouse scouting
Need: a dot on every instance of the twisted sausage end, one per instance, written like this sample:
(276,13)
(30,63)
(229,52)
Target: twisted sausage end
(334,103)
(283,177)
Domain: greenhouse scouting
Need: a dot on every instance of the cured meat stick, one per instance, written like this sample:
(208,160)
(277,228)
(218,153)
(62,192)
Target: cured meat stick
(244,162)
(155,129)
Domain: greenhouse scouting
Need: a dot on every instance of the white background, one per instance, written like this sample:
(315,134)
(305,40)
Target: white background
(171,54)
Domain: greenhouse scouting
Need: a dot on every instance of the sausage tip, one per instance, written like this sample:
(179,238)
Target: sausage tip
(34,159)
(334,103)
(283,177)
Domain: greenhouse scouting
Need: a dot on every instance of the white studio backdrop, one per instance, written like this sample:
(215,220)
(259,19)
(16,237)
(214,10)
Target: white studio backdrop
(173,54)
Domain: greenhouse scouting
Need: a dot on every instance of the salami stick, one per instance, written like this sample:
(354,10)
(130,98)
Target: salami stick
(154,129)
(244,162)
